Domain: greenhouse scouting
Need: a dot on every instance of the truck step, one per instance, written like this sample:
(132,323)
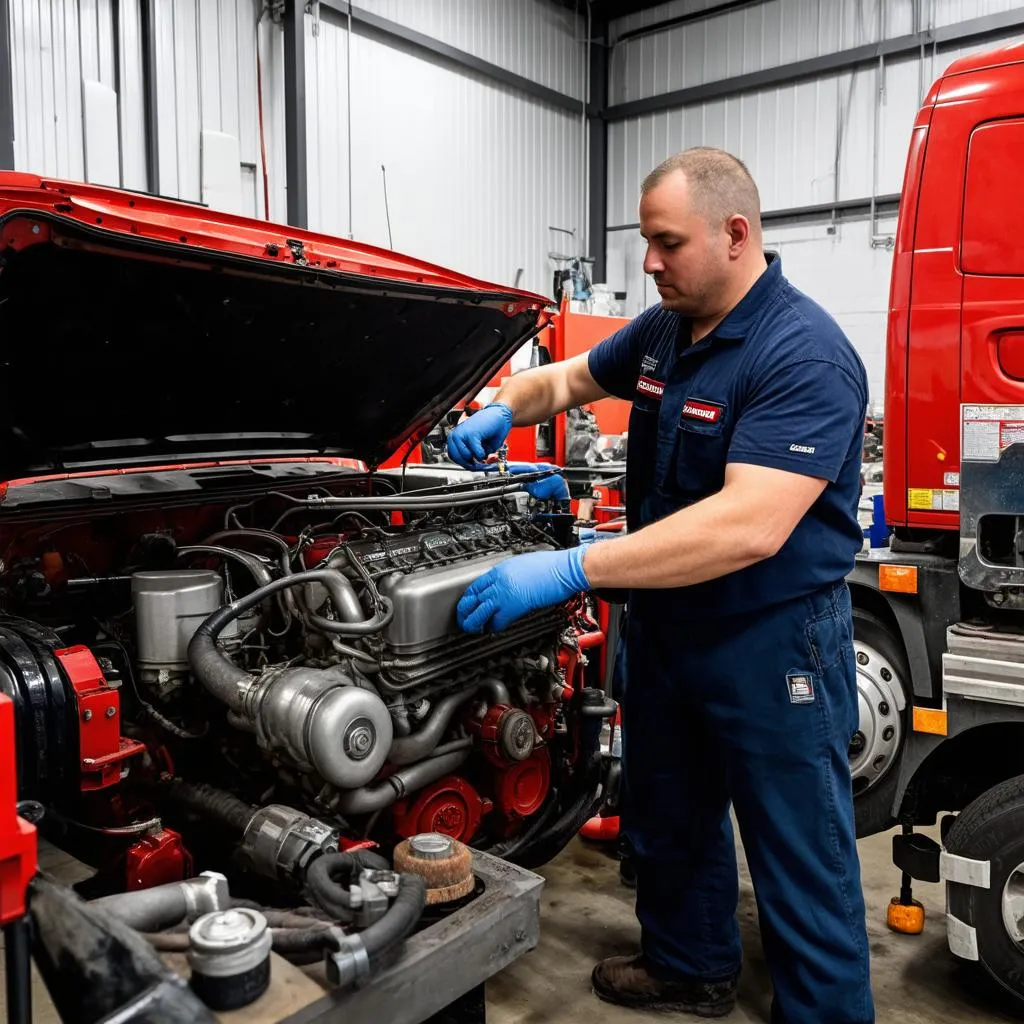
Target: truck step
(983,663)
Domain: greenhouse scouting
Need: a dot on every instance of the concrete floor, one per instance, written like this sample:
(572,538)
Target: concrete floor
(588,914)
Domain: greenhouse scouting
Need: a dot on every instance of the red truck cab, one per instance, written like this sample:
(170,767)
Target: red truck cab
(939,612)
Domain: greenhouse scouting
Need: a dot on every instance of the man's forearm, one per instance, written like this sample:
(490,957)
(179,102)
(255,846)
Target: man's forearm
(539,393)
(706,540)
(530,395)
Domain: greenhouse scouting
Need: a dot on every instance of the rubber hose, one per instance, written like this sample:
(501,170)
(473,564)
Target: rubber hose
(216,803)
(221,676)
(329,876)
(381,938)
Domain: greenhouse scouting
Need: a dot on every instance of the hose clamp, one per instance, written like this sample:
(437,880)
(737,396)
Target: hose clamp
(349,965)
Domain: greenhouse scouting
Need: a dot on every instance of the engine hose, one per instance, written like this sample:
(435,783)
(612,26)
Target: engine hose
(287,942)
(533,848)
(223,807)
(329,877)
(227,681)
(287,598)
(382,937)
(259,572)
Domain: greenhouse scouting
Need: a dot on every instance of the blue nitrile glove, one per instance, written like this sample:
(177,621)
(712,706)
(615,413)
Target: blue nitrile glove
(551,488)
(482,434)
(521,584)
(588,535)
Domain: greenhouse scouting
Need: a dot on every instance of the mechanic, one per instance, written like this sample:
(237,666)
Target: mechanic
(743,467)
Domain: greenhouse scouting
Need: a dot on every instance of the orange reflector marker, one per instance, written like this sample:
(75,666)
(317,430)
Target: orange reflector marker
(898,579)
(907,919)
(930,720)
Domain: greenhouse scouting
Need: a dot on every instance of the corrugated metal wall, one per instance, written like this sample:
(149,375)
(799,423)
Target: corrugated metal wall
(807,143)
(58,49)
(476,171)
(533,38)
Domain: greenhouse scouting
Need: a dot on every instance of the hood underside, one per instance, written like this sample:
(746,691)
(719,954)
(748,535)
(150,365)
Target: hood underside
(125,350)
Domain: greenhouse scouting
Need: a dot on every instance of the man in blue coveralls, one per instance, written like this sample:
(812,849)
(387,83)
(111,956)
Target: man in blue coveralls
(742,479)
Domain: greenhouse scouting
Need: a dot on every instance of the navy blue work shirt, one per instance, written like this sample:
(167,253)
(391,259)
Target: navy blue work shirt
(776,384)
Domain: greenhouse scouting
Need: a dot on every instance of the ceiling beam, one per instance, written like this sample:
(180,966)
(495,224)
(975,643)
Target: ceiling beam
(373,25)
(972,31)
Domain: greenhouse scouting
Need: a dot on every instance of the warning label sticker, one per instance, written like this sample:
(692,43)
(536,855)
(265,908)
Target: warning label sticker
(928,499)
(988,429)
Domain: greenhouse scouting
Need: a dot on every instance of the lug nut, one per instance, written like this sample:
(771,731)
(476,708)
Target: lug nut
(878,762)
(886,674)
(888,732)
(862,658)
(883,707)
(110,712)
(857,743)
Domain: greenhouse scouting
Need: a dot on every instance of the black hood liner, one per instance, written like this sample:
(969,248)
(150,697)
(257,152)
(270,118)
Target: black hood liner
(99,347)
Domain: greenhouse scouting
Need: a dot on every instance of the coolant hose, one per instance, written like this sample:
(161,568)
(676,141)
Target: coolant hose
(221,676)
(223,807)
(383,936)
(329,877)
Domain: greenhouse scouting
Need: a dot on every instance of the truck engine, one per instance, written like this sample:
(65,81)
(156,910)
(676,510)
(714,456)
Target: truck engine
(251,683)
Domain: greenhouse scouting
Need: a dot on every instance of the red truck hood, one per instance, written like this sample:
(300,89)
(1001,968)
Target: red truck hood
(138,330)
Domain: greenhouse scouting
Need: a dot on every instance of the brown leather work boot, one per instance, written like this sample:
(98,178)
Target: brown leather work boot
(634,981)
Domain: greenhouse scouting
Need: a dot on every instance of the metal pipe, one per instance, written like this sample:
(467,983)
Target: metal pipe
(376,797)
(410,749)
(149,910)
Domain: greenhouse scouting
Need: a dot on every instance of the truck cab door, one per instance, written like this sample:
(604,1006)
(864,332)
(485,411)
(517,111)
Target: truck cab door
(992,357)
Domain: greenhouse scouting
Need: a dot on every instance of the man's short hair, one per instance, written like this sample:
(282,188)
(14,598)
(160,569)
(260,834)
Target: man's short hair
(720,183)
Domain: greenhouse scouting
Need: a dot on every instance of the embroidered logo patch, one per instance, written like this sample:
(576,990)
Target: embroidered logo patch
(648,365)
(705,412)
(651,388)
(801,688)
(802,449)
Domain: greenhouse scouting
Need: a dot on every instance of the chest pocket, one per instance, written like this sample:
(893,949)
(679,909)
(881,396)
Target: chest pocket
(702,444)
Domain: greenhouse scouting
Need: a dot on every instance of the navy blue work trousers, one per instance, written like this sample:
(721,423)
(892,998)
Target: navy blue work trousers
(756,712)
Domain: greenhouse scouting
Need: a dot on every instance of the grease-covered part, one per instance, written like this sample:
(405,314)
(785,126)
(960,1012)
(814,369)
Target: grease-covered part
(95,965)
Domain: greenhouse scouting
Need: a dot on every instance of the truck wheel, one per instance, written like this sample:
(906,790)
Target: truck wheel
(882,681)
(992,829)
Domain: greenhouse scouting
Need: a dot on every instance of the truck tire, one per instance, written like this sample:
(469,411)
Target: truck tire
(992,829)
(877,746)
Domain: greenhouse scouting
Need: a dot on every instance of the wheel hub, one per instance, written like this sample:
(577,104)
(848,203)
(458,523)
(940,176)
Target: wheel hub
(879,730)
(1013,905)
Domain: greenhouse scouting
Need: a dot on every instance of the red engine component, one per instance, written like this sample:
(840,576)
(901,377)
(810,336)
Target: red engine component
(451,806)
(17,836)
(520,788)
(101,747)
(507,735)
(156,860)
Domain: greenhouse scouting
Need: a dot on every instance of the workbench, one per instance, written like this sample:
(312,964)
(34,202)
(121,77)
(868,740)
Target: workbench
(440,975)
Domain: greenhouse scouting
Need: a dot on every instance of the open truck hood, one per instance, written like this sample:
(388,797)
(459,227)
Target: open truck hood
(137,330)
